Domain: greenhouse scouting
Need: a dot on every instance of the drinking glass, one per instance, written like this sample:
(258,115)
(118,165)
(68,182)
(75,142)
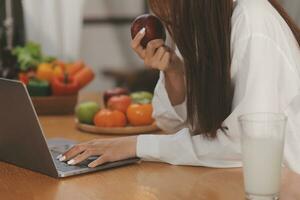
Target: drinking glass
(262,141)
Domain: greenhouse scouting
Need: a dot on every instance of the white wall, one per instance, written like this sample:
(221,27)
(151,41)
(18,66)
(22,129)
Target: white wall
(108,45)
(293,8)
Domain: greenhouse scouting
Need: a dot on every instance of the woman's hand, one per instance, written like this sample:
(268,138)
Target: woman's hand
(109,150)
(157,55)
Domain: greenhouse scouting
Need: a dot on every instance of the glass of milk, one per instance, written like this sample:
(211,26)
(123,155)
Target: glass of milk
(262,139)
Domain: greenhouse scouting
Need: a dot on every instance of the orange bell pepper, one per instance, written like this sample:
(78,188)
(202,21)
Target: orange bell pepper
(74,68)
(84,76)
(46,71)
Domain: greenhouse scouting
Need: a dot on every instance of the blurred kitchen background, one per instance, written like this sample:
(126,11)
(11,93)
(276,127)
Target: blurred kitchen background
(96,31)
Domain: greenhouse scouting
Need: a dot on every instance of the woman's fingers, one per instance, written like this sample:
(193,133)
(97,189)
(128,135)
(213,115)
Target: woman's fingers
(101,160)
(156,55)
(83,156)
(141,52)
(159,53)
(108,149)
(75,150)
(154,51)
(151,49)
(136,43)
(138,38)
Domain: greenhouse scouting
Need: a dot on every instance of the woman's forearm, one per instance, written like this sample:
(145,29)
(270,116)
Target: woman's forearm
(175,86)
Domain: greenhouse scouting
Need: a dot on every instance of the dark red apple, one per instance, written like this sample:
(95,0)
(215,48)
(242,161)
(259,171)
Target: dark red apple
(153,27)
(114,92)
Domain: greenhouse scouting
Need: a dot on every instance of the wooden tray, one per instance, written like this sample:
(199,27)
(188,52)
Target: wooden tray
(129,130)
(55,105)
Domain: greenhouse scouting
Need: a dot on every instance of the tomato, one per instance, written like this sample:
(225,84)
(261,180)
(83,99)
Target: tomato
(120,103)
(140,114)
(109,118)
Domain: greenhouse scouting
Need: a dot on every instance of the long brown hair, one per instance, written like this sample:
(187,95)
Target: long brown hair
(201,30)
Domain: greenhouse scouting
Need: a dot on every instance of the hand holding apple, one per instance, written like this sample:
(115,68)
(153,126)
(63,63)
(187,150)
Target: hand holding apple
(148,42)
(154,29)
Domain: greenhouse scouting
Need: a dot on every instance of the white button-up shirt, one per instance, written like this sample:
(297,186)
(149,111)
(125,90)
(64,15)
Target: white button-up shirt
(265,72)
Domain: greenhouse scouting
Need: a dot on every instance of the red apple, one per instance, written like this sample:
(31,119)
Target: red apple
(120,103)
(153,27)
(114,92)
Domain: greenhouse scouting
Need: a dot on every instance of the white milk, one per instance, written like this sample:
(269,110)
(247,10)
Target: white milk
(262,165)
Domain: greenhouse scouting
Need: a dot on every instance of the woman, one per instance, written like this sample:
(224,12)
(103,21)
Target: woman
(238,57)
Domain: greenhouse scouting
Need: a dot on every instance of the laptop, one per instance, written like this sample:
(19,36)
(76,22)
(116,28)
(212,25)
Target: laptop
(22,141)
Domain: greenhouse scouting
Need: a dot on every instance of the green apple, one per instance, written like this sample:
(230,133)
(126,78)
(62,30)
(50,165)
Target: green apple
(86,111)
(141,97)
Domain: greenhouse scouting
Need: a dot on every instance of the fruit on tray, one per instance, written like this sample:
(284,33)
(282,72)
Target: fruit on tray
(110,118)
(86,111)
(121,110)
(114,92)
(64,85)
(120,103)
(153,27)
(38,88)
(142,97)
(140,114)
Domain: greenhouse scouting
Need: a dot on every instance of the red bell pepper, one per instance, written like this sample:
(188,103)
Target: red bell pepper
(64,85)
(23,78)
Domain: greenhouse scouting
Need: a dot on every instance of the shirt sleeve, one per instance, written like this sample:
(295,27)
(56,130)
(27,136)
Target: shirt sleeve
(184,149)
(169,118)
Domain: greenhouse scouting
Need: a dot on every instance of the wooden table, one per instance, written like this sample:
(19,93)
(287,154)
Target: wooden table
(145,181)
